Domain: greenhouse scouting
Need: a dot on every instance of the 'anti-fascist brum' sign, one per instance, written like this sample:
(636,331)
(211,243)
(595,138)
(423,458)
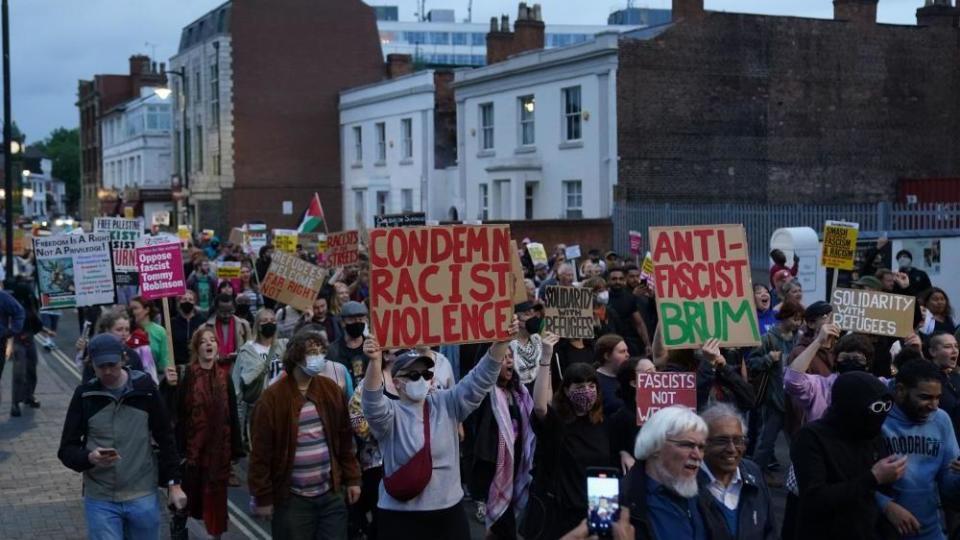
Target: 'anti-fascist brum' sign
(657,391)
(292,281)
(568,312)
(704,288)
(872,312)
(839,244)
(435,285)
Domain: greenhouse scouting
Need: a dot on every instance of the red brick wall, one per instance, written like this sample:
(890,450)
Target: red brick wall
(291,58)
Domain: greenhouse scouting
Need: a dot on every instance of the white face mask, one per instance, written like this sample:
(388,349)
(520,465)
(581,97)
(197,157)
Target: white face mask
(603,297)
(416,390)
(904,262)
(314,365)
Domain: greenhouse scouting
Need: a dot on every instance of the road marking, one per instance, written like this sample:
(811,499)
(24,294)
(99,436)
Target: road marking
(239,518)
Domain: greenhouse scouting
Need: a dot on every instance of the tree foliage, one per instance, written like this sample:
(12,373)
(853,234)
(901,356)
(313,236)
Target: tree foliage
(62,146)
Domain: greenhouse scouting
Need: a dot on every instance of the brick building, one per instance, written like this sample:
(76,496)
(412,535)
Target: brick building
(94,98)
(769,109)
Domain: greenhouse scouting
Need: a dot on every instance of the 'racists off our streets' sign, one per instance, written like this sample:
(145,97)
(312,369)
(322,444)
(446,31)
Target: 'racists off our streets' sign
(704,288)
(343,248)
(657,391)
(568,312)
(440,285)
(873,312)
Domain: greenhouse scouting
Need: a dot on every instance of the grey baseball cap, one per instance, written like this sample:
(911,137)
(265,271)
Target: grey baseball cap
(353,309)
(105,349)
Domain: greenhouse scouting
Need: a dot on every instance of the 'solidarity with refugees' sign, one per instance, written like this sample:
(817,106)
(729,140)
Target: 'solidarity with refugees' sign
(568,312)
(74,270)
(873,312)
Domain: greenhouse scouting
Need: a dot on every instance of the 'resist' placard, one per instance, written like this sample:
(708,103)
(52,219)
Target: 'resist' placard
(704,288)
(124,234)
(440,285)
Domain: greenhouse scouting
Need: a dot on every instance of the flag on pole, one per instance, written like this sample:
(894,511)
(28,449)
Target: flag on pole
(313,220)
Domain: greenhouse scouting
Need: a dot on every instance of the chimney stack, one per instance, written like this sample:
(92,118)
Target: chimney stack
(139,65)
(399,64)
(499,40)
(938,13)
(528,31)
(856,11)
(687,10)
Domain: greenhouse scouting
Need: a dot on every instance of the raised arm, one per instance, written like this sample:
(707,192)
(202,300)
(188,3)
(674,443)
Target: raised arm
(468,394)
(543,387)
(802,362)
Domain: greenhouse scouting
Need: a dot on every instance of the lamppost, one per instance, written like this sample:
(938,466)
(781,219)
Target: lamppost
(7,142)
(164,93)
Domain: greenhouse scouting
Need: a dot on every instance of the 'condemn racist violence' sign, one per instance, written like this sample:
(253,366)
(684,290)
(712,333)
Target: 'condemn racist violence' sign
(568,312)
(160,267)
(872,312)
(435,285)
(704,287)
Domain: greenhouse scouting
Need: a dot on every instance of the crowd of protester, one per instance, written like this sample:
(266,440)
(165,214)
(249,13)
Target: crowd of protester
(344,439)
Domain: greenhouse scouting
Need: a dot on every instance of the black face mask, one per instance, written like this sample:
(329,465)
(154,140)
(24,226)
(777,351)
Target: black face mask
(355,330)
(268,330)
(532,325)
(186,307)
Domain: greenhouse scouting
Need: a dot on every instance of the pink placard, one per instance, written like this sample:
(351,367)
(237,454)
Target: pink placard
(161,271)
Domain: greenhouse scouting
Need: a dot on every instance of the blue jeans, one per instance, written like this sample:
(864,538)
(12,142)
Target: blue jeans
(129,520)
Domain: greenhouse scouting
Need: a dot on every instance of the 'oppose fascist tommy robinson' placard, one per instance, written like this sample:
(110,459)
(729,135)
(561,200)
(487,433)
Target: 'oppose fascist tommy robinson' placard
(568,312)
(436,285)
(873,312)
(160,267)
(704,289)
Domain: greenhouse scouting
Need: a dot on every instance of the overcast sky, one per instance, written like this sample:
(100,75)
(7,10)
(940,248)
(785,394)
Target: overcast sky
(54,43)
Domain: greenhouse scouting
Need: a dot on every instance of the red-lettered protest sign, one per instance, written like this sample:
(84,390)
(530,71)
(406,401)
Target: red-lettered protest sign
(292,281)
(440,285)
(657,391)
(160,268)
(704,289)
(343,248)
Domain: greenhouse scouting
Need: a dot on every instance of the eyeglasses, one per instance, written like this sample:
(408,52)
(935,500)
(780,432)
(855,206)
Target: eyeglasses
(687,445)
(723,442)
(881,406)
(415,375)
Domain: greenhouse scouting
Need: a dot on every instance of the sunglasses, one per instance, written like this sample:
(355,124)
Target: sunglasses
(881,406)
(415,375)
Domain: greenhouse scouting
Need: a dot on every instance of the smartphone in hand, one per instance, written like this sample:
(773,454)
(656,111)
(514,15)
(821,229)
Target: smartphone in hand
(603,500)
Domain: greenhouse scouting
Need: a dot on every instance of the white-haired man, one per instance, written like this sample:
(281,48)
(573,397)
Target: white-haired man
(661,488)
(737,499)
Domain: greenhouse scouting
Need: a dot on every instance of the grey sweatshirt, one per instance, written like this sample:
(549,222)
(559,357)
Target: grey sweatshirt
(398,428)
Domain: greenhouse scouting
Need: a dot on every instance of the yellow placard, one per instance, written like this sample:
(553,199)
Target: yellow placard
(285,240)
(128,212)
(839,244)
(537,253)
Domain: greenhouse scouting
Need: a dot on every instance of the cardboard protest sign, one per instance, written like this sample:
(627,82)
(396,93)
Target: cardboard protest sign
(74,270)
(636,243)
(412,219)
(873,312)
(124,234)
(572,252)
(518,287)
(839,244)
(236,236)
(285,240)
(161,270)
(568,312)
(312,242)
(292,281)
(343,248)
(537,253)
(704,288)
(228,270)
(440,285)
(657,391)
(183,233)
(256,238)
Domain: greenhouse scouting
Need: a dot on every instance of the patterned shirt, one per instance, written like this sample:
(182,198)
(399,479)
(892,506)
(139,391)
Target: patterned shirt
(311,475)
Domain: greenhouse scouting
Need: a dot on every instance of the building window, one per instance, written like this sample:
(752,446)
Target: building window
(383,202)
(406,200)
(381,142)
(406,130)
(415,37)
(484,200)
(459,38)
(571,114)
(478,39)
(573,199)
(158,117)
(359,210)
(215,157)
(199,148)
(198,89)
(529,196)
(357,144)
(215,93)
(526,121)
(187,151)
(486,126)
(439,38)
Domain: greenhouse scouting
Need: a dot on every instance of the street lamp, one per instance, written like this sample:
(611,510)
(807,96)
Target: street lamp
(164,93)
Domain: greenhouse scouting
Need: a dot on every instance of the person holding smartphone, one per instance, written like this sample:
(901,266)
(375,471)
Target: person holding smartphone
(120,473)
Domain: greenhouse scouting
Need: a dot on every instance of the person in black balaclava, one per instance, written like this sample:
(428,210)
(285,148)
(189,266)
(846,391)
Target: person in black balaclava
(841,462)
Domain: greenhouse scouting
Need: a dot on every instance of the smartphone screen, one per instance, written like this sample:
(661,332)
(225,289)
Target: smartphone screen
(108,452)
(603,502)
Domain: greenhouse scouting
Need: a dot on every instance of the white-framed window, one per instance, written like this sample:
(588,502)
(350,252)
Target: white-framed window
(381,129)
(572,110)
(214,93)
(573,199)
(359,208)
(406,200)
(406,134)
(527,135)
(529,199)
(383,202)
(198,87)
(486,126)
(357,144)
(484,200)
(199,133)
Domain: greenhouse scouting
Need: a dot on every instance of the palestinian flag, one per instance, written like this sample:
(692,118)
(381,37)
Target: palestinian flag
(313,220)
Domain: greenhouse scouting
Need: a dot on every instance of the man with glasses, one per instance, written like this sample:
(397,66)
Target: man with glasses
(738,498)
(917,429)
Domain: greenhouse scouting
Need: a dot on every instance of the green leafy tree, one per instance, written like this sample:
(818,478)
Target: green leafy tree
(62,146)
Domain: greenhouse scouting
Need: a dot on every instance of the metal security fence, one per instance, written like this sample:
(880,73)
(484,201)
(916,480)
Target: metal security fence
(761,221)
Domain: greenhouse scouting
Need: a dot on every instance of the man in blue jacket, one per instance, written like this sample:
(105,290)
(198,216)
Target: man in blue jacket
(919,430)
(738,501)
(12,317)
